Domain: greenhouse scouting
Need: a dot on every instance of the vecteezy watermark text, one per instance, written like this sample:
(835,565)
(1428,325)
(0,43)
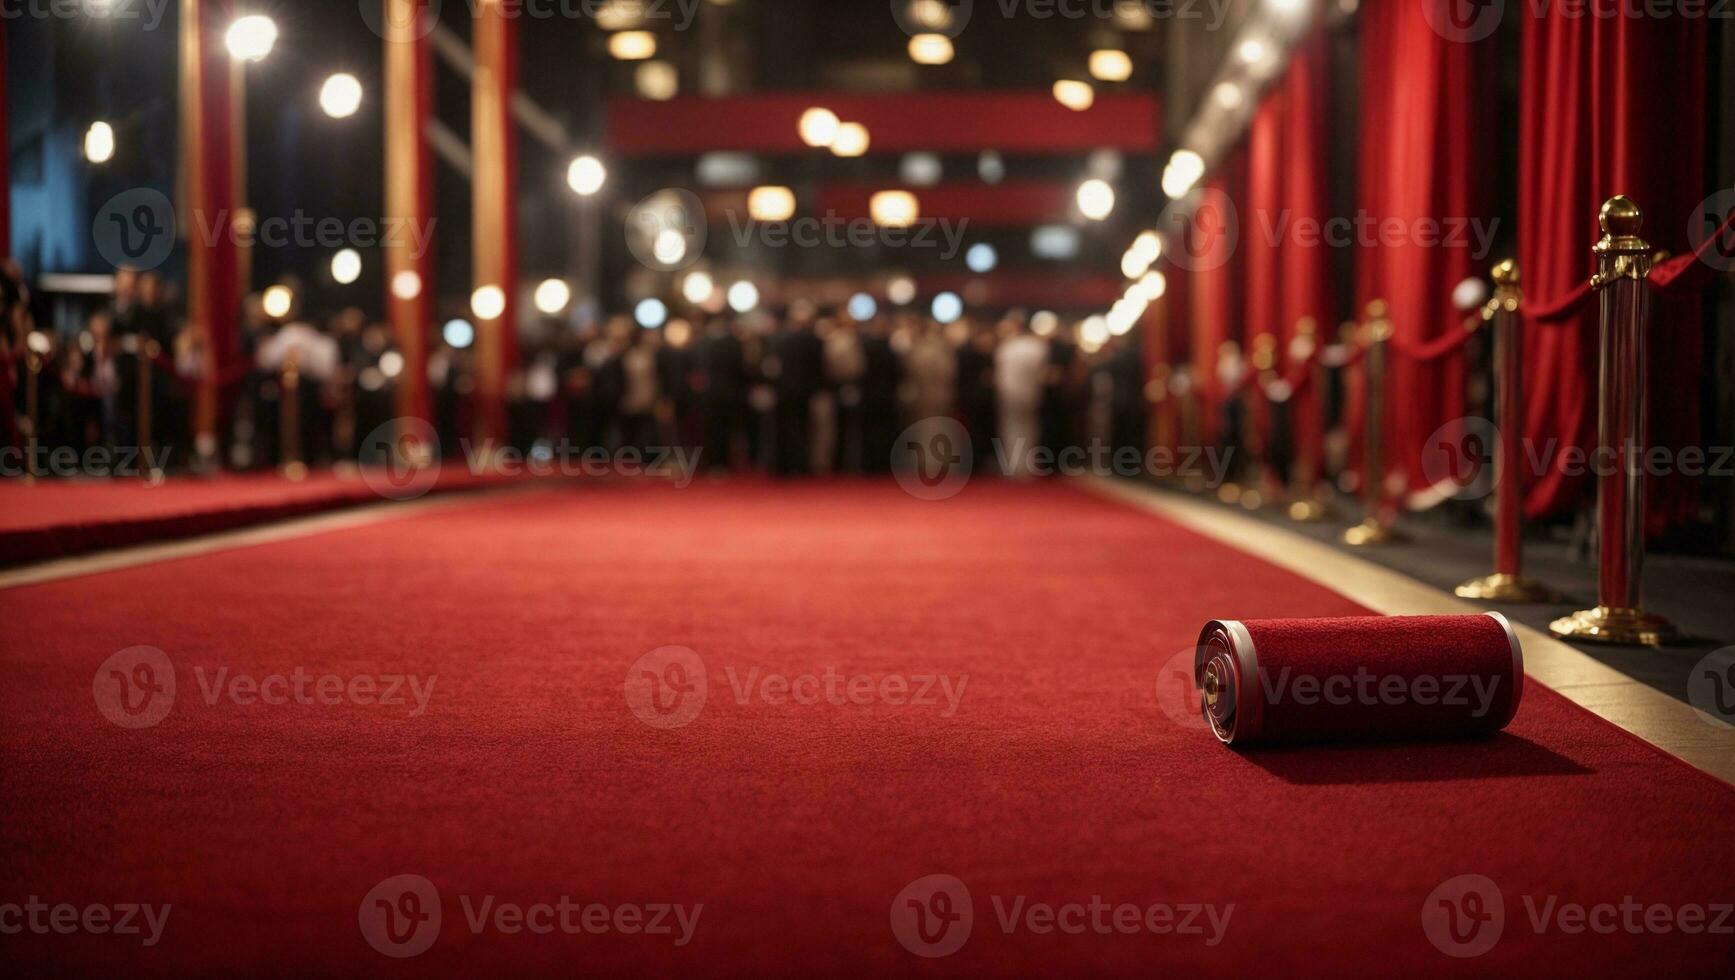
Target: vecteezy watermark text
(1465,916)
(832,230)
(151,12)
(42,918)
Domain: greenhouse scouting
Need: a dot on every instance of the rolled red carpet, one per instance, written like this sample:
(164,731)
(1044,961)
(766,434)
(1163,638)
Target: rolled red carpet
(1290,680)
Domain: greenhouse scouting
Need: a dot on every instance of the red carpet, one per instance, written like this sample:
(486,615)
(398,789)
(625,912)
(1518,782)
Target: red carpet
(56,518)
(1059,778)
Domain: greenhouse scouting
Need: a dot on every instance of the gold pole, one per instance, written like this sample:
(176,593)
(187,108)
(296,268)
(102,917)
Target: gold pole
(1507,582)
(33,367)
(1263,483)
(289,420)
(1230,491)
(1373,529)
(1623,265)
(1308,504)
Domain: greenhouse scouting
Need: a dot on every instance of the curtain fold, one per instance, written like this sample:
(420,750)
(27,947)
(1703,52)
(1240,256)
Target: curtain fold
(1264,230)
(1215,313)
(1609,105)
(494,187)
(409,184)
(208,167)
(1306,269)
(1422,195)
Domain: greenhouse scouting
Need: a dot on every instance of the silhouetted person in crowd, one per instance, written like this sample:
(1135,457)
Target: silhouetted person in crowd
(800,373)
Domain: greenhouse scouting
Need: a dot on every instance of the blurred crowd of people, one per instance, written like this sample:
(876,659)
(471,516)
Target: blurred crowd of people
(802,390)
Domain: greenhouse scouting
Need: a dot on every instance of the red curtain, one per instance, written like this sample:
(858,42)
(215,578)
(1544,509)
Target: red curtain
(493,190)
(1216,297)
(1262,227)
(209,144)
(1421,180)
(1306,267)
(409,184)
(1610,104)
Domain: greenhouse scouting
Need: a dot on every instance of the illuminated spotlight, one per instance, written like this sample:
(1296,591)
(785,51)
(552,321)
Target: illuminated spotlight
(1074,94)
(947,307)
(585,175)
(657,81)
(99,143)
(901,291)
(698,287)
(743,297)
(981,258)
(933,15)
(407,284)
(340,96)
(678,333)
(620,15)
(930,49)
(1289,8)
(920,169)
(1044,323)
(1251,51)
(1133,15)
(346,266)
(1153,285)
(551,296)
(990,167)
(862,307)
(893,209)
(650,313)
(632,45)
(1094,331)
(818,127)
(277,302)
(1469,294)
(251,38)
(458,333)
(1182,172)
(1095,199)
(1133,265)
(391,364)
(1229,95)
(1057,242)
(669,247)
(488,303)
(726,169)
(771,203)
(851,141)
(1109,65)
(1148,245)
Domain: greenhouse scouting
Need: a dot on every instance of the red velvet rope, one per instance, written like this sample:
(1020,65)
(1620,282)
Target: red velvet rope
(1431,350)
(1564,308)
(1694,269)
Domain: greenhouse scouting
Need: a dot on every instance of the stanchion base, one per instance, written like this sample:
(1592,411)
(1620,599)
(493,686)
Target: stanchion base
(1369,533)
(1309,511)
(1605,624)
(1504,587)
(295,471)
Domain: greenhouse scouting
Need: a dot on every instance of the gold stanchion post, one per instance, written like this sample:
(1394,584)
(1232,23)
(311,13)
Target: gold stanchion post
(1307,503)
(1373,529)
(1623,265)
(1507,582)
(289,420)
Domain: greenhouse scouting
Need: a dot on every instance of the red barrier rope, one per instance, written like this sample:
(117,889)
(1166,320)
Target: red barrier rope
(1695,268)
(1431,350)
(1562,309)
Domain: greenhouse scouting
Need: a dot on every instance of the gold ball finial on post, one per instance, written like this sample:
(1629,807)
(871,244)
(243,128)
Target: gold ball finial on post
(1620,217)
(1505,273)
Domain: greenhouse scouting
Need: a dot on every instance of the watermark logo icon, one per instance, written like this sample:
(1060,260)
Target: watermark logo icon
(135,688)
(1711,688)
(667,230)
(667,687)
(1177,691)
(400,23)
(932,916)
(400,916)
(1464,21)
(1461,458)
(1464,916)
(1710,221)
(933,458)
(1203,236)
(135,229)
(947,17)
(407,451)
